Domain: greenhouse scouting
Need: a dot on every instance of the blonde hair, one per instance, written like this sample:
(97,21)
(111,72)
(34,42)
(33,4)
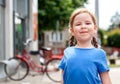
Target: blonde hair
(76,12)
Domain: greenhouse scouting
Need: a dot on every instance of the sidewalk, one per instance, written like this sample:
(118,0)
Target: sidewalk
(115,75)
(39,79)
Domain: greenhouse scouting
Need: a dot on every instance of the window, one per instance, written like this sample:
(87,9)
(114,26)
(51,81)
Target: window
(56,37)
(18,34)
(21,22)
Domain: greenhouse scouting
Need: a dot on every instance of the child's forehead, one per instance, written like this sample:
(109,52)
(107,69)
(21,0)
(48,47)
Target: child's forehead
(83,16)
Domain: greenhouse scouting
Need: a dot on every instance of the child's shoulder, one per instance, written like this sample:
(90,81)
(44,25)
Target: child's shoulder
(69,48)
(100,50)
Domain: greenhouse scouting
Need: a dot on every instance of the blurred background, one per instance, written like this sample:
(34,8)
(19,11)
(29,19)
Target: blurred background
(46,22)
(53,19)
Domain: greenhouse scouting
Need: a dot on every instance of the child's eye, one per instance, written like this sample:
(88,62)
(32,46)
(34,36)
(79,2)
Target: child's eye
(78,24)
(88,23)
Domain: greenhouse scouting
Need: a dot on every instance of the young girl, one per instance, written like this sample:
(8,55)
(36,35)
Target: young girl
(84,63)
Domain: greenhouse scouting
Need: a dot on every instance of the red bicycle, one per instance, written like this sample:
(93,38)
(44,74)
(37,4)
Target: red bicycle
(26,63)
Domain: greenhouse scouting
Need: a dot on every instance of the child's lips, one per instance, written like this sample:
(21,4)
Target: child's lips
(83,32)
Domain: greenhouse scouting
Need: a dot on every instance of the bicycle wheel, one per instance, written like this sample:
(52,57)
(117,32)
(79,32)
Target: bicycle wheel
(18,72)
(53,71)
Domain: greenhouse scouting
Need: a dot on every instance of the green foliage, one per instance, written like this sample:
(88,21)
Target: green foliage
(114,40)
(49,11)
(113,31)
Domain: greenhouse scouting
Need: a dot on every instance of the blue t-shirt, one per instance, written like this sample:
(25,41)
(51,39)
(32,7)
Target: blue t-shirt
(83,65)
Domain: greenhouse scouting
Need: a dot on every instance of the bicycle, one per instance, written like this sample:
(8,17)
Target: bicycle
(25,64)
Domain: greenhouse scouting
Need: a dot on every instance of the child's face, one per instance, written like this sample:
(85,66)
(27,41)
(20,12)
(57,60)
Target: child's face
(83,27)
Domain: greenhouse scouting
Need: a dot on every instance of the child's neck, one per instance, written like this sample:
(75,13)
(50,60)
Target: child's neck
(85,45)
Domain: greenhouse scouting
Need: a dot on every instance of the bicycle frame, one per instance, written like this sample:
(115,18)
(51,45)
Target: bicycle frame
(26,63)
(34,66)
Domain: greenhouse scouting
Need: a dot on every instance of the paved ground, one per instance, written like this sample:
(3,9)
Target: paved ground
(39,79)
(43,79)
(115,75)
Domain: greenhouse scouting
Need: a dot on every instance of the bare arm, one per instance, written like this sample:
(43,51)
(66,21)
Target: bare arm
(105,78)
(62,76)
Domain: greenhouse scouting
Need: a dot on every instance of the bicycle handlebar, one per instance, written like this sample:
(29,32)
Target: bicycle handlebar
(28,41)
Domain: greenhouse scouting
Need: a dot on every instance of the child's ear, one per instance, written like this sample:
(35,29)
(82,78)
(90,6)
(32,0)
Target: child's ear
(71,30)
(96,28)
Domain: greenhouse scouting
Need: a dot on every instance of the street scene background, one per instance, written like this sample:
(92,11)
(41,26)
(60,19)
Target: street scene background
(46,22)
(43,79)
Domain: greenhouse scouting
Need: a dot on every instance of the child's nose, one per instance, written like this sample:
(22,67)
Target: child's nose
(83,26)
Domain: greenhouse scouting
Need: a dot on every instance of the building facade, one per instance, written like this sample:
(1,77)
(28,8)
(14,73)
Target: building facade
(16,25)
